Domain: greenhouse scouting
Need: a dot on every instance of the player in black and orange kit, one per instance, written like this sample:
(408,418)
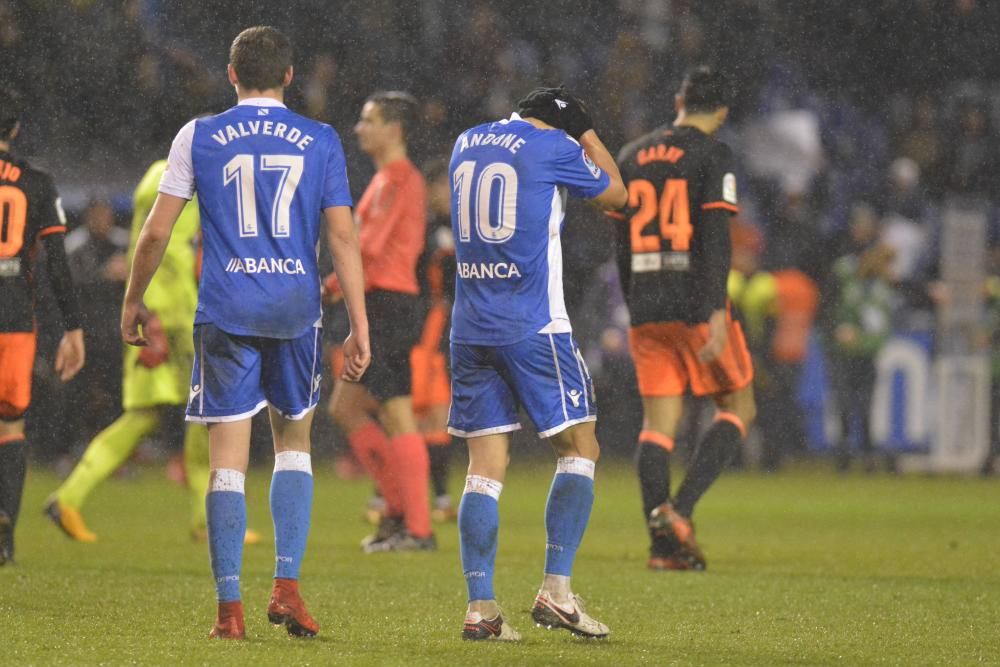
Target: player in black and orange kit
(30,213)
(674,254)
(431,384)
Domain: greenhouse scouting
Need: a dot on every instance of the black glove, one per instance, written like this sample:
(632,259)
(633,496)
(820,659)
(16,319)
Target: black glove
(558,108)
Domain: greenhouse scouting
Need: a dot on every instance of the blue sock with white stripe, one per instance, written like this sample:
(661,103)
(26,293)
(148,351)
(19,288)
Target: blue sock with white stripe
(226,507)
(567,512)
(478,524)
(291,508)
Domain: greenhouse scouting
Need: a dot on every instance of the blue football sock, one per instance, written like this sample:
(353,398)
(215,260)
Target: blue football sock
(226,508)
(478,523)
(291,507)
(567,512)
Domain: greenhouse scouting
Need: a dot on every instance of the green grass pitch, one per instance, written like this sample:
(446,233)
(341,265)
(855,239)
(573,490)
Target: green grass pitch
(805,568)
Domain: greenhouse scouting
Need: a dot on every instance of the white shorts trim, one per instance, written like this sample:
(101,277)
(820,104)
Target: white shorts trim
(298,416)
(562,387)
(548,433)
(506,428)
(209,419)
(581,367)
(313,384)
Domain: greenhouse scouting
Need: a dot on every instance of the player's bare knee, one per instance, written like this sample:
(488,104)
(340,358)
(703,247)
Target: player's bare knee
(748,413)
(591,450)
(331,410)
(347,415)
(489,469)
(739,405)
(9,427)
(662,414)
(396,415)
(744,406)
(337,411)
(489,456)
(291,438)
(579,441)
(342,409)
(666,428)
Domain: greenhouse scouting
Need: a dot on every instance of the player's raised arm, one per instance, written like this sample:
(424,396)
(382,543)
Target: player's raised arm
(342,236)
(615,196)
(560,109)
(149,251)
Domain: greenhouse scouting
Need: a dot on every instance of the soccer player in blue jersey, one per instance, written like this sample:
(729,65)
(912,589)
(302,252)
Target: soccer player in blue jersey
(264,177)
(511,340)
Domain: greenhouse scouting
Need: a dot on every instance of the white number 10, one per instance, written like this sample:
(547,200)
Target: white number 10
(240,169)
(499,173)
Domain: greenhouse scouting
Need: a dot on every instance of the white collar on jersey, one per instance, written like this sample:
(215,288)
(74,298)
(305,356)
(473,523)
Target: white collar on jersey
(261,102)
(513,116)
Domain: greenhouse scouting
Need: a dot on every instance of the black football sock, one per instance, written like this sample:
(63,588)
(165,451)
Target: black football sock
(440,456)
(13,467)
(653,464)
(714,451)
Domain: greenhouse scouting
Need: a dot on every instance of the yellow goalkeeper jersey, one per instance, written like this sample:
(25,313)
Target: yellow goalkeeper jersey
(173,292)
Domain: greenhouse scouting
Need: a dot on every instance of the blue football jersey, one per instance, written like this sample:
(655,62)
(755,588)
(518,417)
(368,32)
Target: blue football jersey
(263,175)
(507,208)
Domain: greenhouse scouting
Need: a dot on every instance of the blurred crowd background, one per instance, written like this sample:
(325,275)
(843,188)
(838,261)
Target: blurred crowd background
(857,124)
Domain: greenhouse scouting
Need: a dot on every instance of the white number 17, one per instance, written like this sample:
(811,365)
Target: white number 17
(240,169)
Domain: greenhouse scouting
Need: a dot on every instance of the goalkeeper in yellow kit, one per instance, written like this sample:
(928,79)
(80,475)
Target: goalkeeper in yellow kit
(155,378)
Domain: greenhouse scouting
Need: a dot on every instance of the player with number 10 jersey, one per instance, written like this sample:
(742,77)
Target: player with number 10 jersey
(511,340)
(510,181)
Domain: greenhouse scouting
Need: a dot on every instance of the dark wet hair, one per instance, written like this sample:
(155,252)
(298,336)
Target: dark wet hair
(545,104)
(10,112)
(261,55)
(397,106)
(705,89)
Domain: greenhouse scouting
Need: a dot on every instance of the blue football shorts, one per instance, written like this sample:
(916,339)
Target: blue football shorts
(235,377)
(544,373)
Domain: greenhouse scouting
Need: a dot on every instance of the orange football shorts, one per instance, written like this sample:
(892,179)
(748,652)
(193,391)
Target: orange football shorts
(666,360)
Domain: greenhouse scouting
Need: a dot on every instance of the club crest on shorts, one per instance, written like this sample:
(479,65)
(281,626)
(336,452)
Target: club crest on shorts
(574,395)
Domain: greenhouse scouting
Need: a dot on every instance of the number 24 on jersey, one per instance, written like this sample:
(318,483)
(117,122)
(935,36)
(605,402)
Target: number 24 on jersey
(671,209)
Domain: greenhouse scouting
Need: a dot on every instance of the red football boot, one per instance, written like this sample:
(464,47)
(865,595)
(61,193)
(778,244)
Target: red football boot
(229,622)
(287,608)
(666,521)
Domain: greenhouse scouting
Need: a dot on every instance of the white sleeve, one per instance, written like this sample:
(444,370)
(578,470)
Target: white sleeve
(178,179)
